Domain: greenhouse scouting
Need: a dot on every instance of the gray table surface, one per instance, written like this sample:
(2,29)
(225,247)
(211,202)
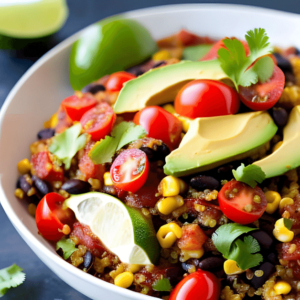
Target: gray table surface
(41,283)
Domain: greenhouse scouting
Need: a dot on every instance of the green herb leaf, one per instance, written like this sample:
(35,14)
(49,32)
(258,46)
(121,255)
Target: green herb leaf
(236,64)
(122,134)
(162,285)
(249,175)
(288,223)
(195,53)
(66,144)
(10,277)
(225,235)
(67,246)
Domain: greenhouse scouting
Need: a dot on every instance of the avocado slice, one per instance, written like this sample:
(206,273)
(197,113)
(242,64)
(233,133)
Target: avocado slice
(286,157)
(161,85)
(213,141)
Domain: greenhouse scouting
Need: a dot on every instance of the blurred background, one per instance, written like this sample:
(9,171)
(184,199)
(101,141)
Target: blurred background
(40,282)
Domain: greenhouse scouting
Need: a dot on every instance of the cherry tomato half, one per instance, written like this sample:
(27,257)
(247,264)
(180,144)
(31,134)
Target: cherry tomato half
(98,121)
(236,200)
(200,285)
(116,80)
(130,170)
(50,217)
(263,96)
(160,125)
(76,107)
(206,98)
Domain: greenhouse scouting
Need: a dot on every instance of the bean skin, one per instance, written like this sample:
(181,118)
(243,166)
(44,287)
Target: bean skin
(151,154)
(76,186)
(212,263)
(93,88)
(263,238)
(87,259)
(162,151)
(42,187)
(203,182)
(24,185)
(283,63)
(267,269)
(45,134)
(280,116)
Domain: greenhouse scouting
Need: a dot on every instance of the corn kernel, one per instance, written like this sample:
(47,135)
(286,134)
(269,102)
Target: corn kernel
(168,234)
(282,288)
(281,233)
(171,186)
(107,179)
(277,145)
(161,55)
(231,268)
(167,205)
(133,268)
(120,269)
(187,254)
(19,193)
(169,108)
(52,122)
(199,207)
(32,209)
(273,199)
(95,183)
(24,166)
(124,280)
(284,202)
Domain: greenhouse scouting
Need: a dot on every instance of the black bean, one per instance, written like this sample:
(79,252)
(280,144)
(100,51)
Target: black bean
(41,186)
(225,172)
(203,182)
(158,64)
(162,151)
(189,263)
(76,186)
(263,238)
(212,263)
(87,259)
(151,154)
(174,274)
(231,278)
(94,89)
(24,184)
(267,269)
(18,185)
(190,219)
(45,134)
(136,70)
(219,273)
(272,258)
(280,116)
(283,63)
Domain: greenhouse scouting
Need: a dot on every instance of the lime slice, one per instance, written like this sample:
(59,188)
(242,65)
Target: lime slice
(123,230)
(31,18)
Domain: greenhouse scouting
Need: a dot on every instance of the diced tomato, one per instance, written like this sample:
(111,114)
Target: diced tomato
(88,239)
(64,121)
(116,80)
(189,39)
(193,237)
(295,255)
(44,168)
(294,212)
(87,167)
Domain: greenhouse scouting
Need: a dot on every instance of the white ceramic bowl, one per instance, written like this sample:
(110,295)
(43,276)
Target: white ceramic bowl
(39,92)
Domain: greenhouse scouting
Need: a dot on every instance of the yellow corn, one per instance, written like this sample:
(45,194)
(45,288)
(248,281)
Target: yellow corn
(231,268)
(124,280)
(52,122)
(282,288)
(169,108)
(171,186)
(167,205)
(285,201)
(133,268)
(187,254)
(19,193)
(168,234)
(281,233)
(107,179)
(161,55)
(185,122)
(277,145)
(273,199)
(24,166)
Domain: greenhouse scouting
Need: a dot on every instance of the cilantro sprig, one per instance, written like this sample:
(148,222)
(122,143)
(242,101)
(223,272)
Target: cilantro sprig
(239,67)
(243,252)
(249,175)
(162,285)
(66,144)
(122,134)
(10,277)
(67,246)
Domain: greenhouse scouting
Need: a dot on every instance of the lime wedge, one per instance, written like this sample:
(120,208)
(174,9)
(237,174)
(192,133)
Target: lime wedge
(125,231)
(31,18)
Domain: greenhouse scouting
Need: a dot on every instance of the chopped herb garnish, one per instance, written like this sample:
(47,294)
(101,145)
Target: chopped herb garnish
(247,70)
(288,223)
(250,174)
(162,285)
(10,277)
(67,246)
(122,134)
(66,144)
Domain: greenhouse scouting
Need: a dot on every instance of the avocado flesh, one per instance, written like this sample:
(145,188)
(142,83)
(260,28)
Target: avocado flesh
(161,85)
(213,141)
(286,157)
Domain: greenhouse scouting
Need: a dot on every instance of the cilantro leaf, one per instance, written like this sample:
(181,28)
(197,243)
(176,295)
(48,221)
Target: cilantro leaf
(250,174)
(67,246)
(239,67)
(225,235)
(10,277)
(288,223)
(66,144)
(162,285)
(122,134)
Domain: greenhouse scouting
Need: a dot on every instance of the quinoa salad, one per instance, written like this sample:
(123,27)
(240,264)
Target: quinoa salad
(174,171)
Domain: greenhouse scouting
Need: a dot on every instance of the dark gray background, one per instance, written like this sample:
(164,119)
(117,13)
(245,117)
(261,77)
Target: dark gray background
(41,283)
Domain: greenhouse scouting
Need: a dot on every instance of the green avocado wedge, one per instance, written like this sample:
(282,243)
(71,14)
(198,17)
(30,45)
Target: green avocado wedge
(286,157)
(161,85)
(195,53)
(211,142)
(106,47)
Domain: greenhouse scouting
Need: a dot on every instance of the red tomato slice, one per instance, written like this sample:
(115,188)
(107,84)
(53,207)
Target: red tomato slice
(98,121)
(76,107)
(206,98)
(116,80)
(130,170)
(263,96)
(213,52)
(236,200)
(200,285)
(160,125)
(50,217)
(193,237)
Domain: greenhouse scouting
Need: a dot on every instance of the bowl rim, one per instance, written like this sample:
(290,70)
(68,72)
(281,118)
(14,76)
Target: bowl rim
(19,226)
